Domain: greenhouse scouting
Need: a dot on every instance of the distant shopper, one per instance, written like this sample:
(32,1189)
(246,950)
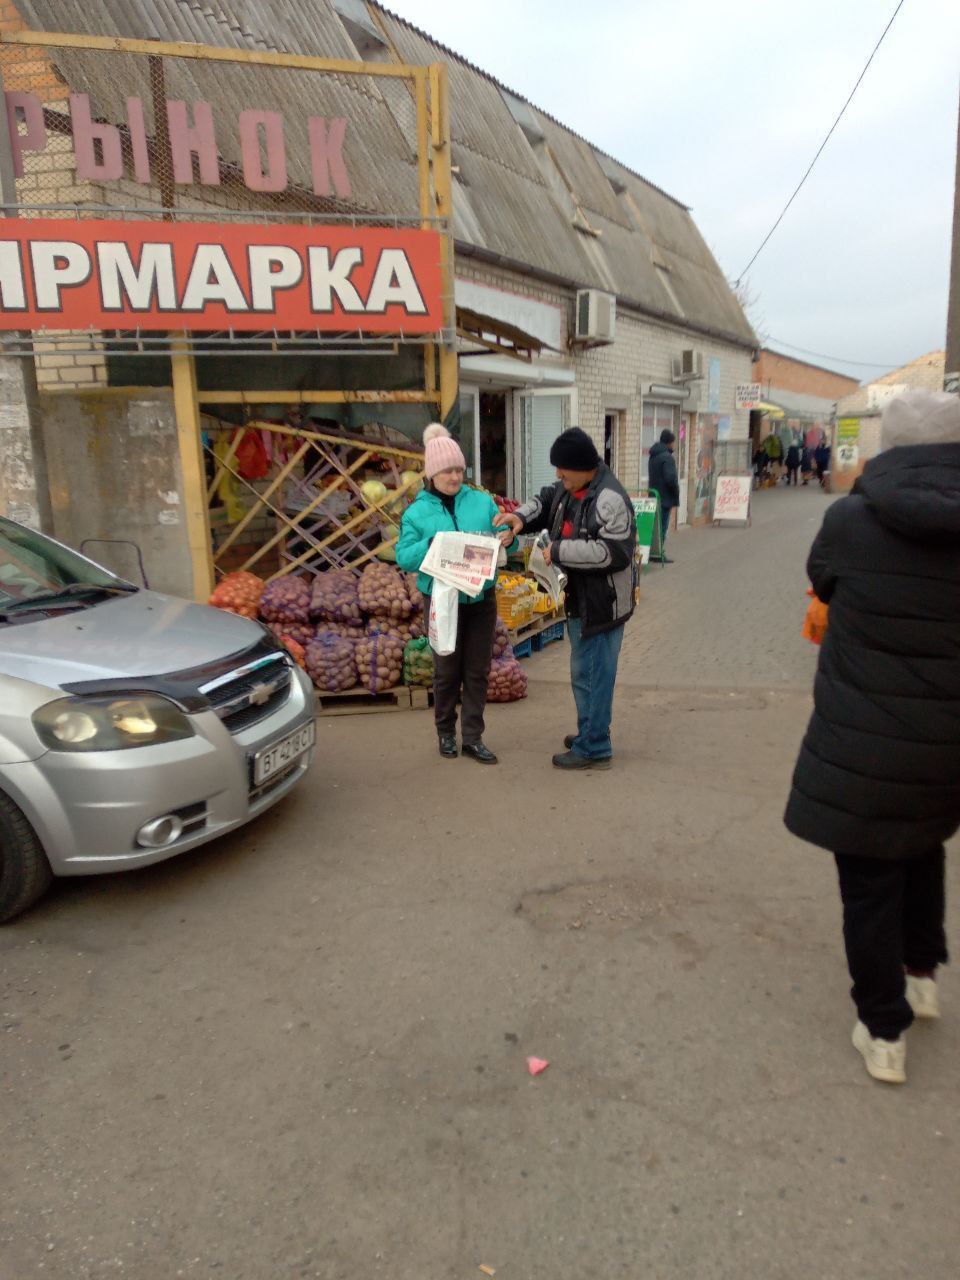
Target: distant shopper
(877,781)
(806,464)
(662,473)
(821,458)
(773,448)
(446,503)
(593,533)
(793,463)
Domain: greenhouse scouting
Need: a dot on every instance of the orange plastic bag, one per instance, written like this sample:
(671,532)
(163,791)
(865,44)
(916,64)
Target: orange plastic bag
(815,623)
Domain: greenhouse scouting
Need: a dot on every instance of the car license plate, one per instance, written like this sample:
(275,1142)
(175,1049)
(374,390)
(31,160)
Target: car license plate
(278,755)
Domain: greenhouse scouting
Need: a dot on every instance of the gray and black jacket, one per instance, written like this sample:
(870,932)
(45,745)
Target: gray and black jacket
(598,559)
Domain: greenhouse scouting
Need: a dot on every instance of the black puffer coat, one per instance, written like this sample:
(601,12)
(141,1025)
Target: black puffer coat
(879,769)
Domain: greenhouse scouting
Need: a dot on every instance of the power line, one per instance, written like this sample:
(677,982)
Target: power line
(822,145)
(865,364)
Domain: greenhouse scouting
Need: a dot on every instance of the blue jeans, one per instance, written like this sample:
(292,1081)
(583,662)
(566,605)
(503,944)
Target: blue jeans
(593,673)
(664,526)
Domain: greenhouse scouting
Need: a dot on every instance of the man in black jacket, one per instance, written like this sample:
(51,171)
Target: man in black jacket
(662,472)
(877,781)
(593,536)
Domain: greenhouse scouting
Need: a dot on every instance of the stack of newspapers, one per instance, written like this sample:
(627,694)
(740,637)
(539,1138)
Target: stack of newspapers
(467,561)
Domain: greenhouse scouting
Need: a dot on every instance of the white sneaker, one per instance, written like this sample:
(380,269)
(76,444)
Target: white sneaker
(923,997)
(885,1059)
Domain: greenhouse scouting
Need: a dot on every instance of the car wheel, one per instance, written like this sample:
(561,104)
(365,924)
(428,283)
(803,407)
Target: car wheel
(24,870)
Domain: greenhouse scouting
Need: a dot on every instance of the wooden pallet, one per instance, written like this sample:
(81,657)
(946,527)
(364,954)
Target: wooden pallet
(359,702)
(534,627)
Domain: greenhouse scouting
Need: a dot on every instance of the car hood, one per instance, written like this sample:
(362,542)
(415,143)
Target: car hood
(138,635)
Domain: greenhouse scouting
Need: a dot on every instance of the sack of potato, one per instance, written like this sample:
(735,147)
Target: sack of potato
(296,651)
(301,632)
(383,592)
(390,626)
(331,662)
(285,600)
(334,597)
(502,648)
(507,681)
(380,661)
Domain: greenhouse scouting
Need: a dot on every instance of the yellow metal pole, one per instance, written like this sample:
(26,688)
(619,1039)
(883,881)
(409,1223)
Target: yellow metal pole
(426,203)
(187,410)
(443,195)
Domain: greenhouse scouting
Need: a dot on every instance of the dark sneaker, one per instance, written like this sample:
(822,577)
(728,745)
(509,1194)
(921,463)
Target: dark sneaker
(477,751)
(570,760)
(448,746)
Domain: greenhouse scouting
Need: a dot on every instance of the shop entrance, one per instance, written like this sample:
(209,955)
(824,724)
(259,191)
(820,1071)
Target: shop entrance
(493,441)
(611,440)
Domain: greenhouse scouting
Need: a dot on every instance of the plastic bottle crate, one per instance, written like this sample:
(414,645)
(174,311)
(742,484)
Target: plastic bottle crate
(547,636)
(523,648)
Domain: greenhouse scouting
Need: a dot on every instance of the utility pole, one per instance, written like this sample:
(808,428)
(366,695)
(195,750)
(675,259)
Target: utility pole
(951,377)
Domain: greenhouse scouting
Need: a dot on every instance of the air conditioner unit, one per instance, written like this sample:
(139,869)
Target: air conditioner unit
(687,366)
(596,316)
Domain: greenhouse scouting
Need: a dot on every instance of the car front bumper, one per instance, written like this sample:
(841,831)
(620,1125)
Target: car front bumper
(88,808)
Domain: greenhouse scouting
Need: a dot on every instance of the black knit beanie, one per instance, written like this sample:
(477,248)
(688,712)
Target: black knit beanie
(575,451)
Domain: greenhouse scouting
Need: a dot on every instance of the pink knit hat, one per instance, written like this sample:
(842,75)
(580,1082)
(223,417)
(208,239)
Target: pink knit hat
(440,450)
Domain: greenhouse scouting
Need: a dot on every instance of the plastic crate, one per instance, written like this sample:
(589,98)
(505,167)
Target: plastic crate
(547,636)
(523,648)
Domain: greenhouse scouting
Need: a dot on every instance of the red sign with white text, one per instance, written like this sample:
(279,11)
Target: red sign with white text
(64,274)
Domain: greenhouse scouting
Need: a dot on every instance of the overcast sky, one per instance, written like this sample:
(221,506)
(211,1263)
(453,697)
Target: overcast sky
(723,103)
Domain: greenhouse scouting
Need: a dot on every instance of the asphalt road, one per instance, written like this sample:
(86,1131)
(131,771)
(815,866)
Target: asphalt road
(302,1052)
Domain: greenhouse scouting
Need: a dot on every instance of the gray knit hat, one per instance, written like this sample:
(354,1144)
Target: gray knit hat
(921,417)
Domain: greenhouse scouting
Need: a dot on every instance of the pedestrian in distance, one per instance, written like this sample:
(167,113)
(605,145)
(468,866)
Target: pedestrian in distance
(662,476)
(593,534)
(773,448)
(806,464)
(446,503)
(821,460)
(877,781)
(793,463)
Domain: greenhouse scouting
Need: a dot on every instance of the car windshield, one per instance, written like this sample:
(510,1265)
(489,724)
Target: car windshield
(33,566)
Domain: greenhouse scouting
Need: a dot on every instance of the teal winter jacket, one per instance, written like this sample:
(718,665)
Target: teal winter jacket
(426,515)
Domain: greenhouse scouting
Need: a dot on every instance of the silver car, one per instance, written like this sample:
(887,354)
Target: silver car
(133,725)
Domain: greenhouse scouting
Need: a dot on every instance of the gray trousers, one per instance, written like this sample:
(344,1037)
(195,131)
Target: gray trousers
(463,673)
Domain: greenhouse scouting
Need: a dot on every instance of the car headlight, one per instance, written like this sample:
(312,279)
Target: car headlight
(110,724)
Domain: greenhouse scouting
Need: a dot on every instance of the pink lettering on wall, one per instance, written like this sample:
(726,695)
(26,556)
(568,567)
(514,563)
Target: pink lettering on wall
(187,141)
(326,155)
(25,108)
(256,177)
(138,140)
(108,167)
(103,151)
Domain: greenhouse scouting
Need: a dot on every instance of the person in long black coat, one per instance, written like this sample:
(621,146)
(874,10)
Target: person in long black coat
(877,781)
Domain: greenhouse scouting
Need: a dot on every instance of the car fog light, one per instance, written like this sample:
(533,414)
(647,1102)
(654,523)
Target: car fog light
(159,832)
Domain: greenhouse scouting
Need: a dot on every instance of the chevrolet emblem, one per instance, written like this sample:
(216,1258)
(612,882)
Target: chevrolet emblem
(259,694)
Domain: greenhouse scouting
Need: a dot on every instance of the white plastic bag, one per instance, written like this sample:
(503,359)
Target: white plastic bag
(444,608)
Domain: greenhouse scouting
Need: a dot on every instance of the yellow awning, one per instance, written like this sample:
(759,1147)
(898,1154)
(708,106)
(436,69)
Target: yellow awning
(770,410)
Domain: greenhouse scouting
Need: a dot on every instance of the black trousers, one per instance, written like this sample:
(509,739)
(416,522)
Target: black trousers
(893,915)
(463,673)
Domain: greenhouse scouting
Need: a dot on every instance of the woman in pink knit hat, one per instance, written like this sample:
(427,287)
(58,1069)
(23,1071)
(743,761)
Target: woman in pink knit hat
(446,503)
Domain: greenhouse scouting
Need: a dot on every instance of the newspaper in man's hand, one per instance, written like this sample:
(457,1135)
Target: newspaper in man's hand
(467,561)
(549,578)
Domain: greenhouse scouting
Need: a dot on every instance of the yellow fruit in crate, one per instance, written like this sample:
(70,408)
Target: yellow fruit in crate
(374,490)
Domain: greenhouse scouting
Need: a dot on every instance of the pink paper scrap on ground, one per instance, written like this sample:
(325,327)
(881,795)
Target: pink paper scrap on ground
(536,1065)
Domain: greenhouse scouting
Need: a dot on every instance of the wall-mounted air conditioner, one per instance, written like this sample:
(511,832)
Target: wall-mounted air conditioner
(596,316)
(687,366)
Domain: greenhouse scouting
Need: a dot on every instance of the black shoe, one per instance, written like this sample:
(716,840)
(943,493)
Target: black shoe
(570,760)
(477,751)
(665,560)
(569,740)
(448,746)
